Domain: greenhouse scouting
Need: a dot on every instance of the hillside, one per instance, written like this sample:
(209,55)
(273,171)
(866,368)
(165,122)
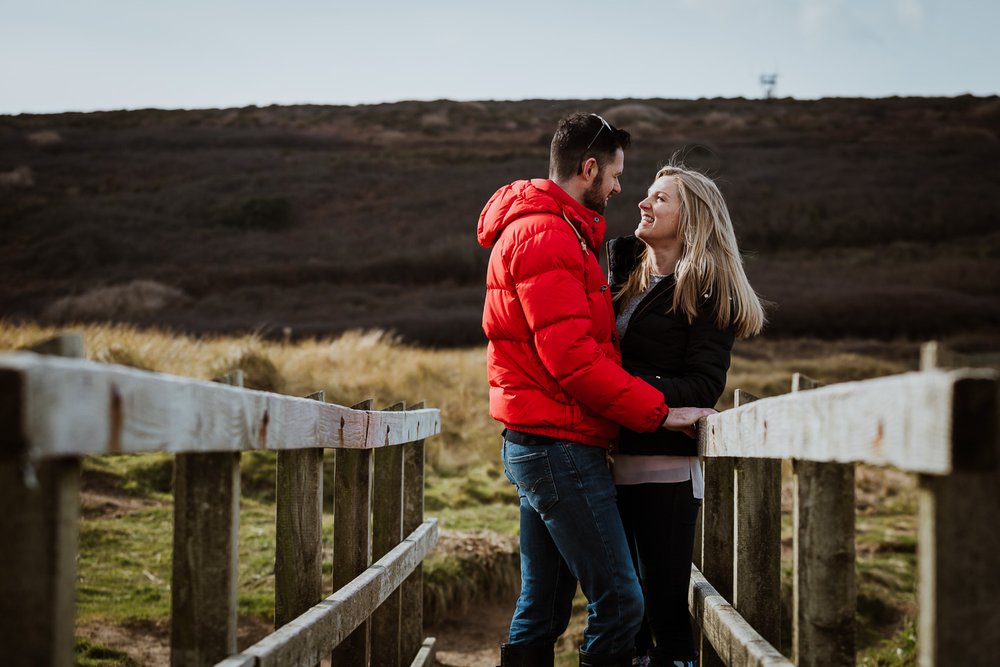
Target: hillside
(872,218)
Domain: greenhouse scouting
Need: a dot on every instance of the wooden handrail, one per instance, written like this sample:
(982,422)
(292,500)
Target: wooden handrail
(72,407)
(307,639)
(929,422)
(735,641)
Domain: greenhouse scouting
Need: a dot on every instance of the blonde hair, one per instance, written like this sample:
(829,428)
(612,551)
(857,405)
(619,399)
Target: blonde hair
(710,263)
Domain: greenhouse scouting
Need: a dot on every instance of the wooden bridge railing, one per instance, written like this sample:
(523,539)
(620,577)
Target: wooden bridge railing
(55,410)
(942,425)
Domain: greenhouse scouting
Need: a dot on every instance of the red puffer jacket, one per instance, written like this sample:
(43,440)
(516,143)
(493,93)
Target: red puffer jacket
(553,361)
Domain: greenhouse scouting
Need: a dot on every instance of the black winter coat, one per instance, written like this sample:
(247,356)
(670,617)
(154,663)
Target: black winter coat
(687,361)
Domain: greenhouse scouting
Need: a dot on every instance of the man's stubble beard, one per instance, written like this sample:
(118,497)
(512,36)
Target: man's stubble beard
(592,198)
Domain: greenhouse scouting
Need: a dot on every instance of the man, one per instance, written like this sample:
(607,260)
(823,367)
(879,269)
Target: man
(557,385)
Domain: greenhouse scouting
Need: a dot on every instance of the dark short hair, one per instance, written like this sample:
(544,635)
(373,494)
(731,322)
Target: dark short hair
(573,136)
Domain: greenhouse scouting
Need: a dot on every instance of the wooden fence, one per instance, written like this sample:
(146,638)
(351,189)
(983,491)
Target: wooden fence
(941,425)
(54,410)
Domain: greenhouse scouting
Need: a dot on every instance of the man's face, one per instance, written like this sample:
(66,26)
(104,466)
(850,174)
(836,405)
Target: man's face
(605,184)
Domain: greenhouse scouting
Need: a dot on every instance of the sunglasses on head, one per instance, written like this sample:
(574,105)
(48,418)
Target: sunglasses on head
(604,124)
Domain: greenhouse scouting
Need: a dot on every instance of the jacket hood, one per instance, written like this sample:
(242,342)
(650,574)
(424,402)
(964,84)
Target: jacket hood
(538,195)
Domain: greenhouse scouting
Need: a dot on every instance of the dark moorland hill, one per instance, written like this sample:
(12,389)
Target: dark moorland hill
(859,217)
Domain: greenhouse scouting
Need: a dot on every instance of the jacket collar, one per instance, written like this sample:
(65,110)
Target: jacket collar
(590,223)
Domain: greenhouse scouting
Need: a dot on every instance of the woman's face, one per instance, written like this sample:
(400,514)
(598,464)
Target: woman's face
(660,213)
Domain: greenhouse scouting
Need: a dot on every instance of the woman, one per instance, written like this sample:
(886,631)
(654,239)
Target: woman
(681,297)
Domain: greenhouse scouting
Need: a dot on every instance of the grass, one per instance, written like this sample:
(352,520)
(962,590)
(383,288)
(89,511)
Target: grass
(125,553)
(125,562)
(90,654)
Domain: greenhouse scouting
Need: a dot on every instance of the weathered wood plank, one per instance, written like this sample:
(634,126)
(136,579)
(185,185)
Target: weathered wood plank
(958,543)
(872,421)
(387,531)
(40,528)
(311,636)
(717,522)
(205,551)
(76,407)
(735,640)
(38,561)
(425,656)
(352,537)
(757,539)
(412,590)
(824,590)
(238,661)
(298,565)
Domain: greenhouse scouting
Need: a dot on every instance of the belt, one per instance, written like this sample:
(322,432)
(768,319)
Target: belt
(522,438)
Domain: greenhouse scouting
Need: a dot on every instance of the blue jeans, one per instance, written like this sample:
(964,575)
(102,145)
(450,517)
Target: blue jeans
(571,531)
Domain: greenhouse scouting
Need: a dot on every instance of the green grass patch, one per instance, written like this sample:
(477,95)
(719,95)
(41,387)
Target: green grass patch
(502,518)
(125,564)
(473,487)
(900,650)
(89,654)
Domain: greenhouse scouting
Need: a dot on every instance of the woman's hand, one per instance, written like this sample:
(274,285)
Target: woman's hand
(686,419)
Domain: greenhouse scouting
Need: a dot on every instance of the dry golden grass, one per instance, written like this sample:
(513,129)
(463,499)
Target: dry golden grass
(349,368)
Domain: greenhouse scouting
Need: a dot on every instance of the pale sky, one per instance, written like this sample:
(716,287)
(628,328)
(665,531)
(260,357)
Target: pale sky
(83,55)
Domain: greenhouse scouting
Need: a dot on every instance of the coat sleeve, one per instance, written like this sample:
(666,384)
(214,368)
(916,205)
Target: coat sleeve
(706,362)
(547,268)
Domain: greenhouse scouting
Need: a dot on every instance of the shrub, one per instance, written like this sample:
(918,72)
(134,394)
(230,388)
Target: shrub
(259,372)
(135,299)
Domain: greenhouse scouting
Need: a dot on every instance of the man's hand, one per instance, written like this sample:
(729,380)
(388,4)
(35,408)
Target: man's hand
(686,419)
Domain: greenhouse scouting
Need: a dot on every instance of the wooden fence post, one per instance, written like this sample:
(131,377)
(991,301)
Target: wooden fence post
(717,523)
(824,594)
(205,552)
(352,536)
(412,590)
(959,538)
(387,532)
(298,561)
(757,559)
(40,527)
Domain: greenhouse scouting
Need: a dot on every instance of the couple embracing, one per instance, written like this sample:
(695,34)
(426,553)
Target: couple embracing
(581,364)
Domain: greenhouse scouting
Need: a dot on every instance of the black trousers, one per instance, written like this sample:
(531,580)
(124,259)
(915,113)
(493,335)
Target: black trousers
(659,521)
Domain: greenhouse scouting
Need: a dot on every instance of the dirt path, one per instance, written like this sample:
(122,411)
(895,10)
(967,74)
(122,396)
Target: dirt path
(470,641)
(474,639)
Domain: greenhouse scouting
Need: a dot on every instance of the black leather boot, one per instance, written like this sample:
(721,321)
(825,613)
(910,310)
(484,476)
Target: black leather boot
(527,655)
(623,659)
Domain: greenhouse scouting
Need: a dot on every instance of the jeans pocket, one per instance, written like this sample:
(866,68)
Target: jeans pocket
(533,476)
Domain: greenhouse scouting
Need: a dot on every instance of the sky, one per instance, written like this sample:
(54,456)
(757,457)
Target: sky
(85,55)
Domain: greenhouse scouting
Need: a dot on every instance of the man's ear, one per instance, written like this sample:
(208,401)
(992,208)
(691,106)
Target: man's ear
(590,169)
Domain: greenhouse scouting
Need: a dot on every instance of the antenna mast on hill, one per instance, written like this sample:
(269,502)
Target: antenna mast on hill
(768,82)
